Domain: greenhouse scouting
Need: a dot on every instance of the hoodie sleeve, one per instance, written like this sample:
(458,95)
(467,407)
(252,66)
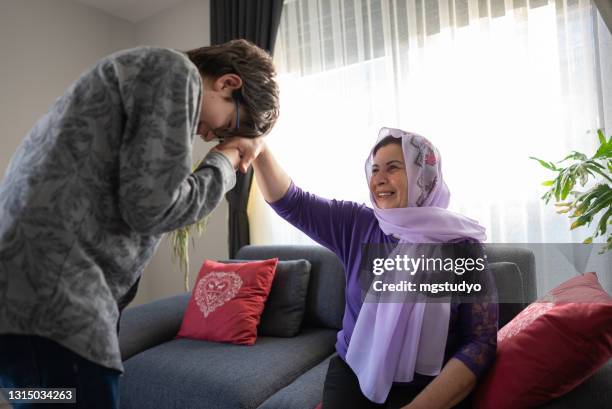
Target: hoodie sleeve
(158,191)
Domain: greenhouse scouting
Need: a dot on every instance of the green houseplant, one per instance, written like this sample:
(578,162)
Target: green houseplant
(583,207)
(179,246)
(179,243)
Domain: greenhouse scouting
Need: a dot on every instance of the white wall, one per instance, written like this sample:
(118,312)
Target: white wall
(184,26)
(44,47)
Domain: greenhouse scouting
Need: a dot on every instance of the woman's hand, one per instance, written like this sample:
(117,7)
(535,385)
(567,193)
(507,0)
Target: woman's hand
(450,387)
(248,149)
(272,180)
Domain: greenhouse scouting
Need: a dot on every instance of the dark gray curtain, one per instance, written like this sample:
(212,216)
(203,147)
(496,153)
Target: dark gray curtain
(605,9)
(256,21)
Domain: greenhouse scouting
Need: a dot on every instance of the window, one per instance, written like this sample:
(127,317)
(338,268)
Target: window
(490,82)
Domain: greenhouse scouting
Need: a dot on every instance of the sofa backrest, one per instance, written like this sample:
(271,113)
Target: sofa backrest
(525,261)
(514,272)
(325,300)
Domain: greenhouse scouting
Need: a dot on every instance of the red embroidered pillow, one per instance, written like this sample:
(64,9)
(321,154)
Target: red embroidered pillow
(550,347)
(227,301)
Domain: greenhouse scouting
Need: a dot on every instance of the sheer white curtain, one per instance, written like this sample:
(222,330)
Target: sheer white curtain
(490,82)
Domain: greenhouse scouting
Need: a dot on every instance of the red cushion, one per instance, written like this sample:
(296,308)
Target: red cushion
(550,347)
(227,301)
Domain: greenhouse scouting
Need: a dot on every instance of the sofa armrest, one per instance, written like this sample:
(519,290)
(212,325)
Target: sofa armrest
(151,324)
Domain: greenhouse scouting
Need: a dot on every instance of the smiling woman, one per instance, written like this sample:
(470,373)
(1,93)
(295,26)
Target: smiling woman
(409,200)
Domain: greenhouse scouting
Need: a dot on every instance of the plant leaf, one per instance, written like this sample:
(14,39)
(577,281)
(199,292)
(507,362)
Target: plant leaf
(577,224)
(602,138)
(567,184)
(547,165)
(574,155)
(602,226)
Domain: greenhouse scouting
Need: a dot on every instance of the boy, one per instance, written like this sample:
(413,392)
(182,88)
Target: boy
(94,185)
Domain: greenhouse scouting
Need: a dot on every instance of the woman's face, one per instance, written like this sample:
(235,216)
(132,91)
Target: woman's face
(389,183)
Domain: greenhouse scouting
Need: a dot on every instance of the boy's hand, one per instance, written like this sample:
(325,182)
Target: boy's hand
(231,154)
(249,149)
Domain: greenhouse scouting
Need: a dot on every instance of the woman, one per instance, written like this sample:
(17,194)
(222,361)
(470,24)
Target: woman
(374,366)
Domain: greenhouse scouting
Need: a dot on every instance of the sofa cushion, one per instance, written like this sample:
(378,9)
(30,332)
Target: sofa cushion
(304,393)
(185,373)
(286,304)
(285,307)
(550,347)
(325,300)
(227,301)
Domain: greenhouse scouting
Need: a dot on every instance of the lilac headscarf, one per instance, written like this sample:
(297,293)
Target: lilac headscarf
(392,341)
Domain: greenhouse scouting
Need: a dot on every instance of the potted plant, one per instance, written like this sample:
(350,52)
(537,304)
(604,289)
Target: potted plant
(583,207)
(179,244)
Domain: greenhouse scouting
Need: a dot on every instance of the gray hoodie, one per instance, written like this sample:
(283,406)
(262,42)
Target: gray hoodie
(90,191)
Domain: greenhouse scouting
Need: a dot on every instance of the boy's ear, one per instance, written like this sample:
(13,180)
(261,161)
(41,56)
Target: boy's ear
(228,83)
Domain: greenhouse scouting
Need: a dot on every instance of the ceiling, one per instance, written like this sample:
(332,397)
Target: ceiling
(131,10)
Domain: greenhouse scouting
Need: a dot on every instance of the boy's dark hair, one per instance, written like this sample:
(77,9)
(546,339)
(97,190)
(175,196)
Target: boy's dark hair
(387,140)
(259,91)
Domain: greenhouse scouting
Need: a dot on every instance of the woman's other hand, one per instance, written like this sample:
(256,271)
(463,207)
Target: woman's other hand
(450,387)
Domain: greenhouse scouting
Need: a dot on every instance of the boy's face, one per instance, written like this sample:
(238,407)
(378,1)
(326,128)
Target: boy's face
(218,107)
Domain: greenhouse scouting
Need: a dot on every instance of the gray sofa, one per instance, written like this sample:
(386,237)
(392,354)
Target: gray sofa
(285,373)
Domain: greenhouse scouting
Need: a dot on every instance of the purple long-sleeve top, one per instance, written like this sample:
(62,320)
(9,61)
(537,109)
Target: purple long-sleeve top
(343,227)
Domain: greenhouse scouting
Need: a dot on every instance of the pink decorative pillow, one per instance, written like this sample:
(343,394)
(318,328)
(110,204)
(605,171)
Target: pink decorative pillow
(550,347)
(227,301)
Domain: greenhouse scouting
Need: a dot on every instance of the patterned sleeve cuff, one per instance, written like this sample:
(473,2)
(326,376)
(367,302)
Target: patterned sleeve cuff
(477,358)
(221,162)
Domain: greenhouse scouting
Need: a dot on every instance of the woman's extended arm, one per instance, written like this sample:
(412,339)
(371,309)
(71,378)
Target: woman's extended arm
(272,180)
(331,223)
(450,387)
